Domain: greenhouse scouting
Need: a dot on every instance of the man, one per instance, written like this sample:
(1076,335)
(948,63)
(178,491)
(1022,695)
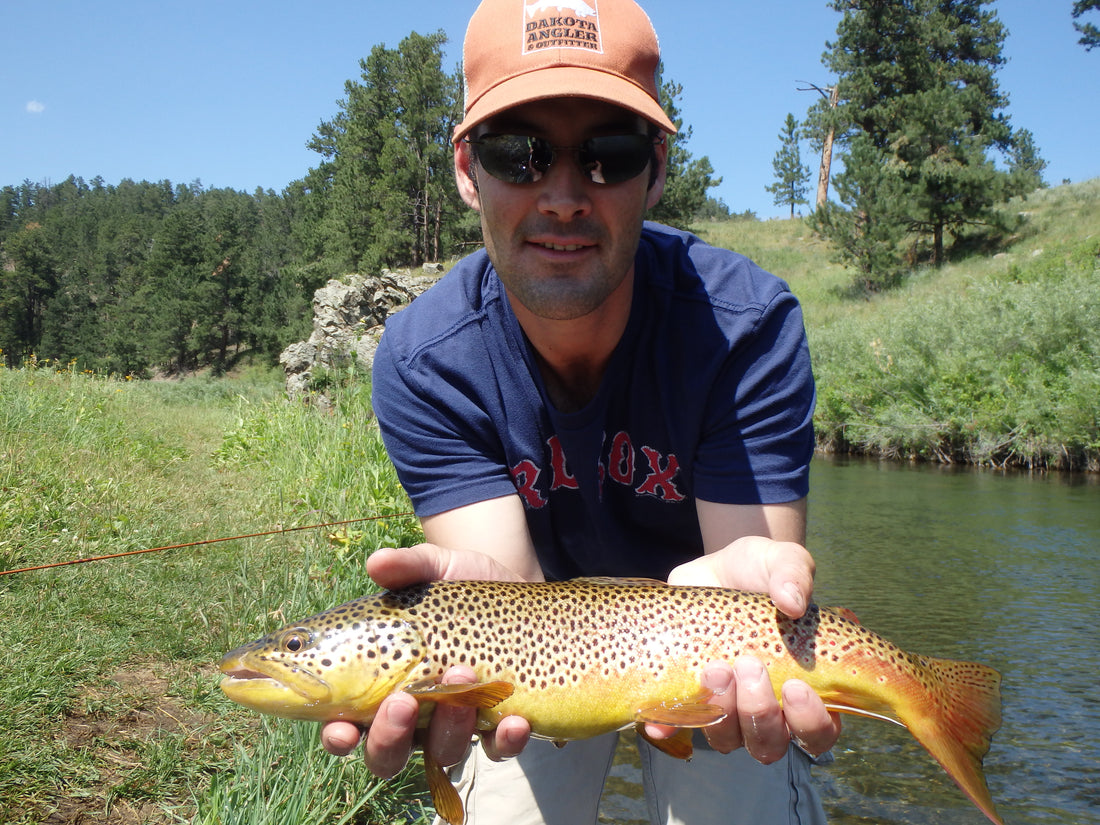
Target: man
(591,396)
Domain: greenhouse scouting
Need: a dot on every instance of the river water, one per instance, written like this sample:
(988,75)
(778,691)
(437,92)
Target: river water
(999,568)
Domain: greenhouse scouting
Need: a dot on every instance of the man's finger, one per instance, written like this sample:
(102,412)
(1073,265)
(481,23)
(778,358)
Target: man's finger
(762,726)
(390,738)
(811,724)
(452,728)
(719,679)
(340,738)
(790,577)
(394,568)
(508,739)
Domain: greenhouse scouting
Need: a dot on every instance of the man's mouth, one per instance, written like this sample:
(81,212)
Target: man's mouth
(559,247)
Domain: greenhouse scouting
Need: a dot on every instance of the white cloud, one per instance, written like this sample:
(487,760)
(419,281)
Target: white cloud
(34,107)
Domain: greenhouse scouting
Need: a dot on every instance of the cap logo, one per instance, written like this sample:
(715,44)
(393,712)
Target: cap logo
(561,24)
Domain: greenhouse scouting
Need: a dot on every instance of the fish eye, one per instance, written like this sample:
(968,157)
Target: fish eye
(297,639)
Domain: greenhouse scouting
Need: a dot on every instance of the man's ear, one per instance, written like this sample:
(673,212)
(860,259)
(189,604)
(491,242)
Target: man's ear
(657,173)
(466,175)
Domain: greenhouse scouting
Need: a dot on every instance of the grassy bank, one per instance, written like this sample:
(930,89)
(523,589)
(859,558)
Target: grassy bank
(107,669)
(992,359)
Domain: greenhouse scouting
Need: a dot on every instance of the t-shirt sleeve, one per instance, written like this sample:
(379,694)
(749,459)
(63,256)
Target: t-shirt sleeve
(758,434)
(442,442)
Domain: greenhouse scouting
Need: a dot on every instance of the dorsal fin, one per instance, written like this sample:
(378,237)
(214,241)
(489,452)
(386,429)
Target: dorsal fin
(842,612)
(622,581)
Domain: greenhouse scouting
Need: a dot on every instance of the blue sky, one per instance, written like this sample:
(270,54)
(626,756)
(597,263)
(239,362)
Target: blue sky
(229,92)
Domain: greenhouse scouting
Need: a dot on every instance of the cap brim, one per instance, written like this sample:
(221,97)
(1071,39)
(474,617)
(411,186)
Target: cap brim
(564,81)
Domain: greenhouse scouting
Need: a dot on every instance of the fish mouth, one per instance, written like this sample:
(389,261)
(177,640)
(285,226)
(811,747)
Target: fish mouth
(289,687)
(245,673)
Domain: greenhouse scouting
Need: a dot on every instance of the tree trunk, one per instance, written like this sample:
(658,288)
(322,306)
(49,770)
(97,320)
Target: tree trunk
(827,153)
(437,229)
(223,349)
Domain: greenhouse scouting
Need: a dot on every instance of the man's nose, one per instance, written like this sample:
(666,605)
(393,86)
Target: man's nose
(564,189)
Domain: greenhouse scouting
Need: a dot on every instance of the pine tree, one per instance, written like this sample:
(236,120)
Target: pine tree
(169,295)
(278,293)
(687,179)
(28,281)
(1090,34)
(1025,164)
(222,277)
(791,176)
(868,235)
(389,175)
(920,113)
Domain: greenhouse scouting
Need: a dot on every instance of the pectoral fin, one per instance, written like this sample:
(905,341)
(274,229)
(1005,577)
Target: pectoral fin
(681,714)
(445,798)
(481,695)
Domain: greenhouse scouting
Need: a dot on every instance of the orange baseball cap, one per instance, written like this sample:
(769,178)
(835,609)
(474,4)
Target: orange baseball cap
(519,51)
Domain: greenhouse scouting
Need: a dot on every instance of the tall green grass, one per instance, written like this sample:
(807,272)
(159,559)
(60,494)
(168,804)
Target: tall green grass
(1007,372)
(992,359)
(283,777)
(107,669)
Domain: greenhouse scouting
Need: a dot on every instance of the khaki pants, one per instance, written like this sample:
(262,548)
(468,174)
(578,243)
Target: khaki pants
(546,785)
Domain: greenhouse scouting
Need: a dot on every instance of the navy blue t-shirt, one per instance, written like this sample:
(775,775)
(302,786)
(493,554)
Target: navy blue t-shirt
(708,394)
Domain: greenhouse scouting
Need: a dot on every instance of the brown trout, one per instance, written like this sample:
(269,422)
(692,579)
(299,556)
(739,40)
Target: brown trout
(584,657)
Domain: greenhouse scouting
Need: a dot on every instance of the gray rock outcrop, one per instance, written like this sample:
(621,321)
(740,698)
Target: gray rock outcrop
(348,319)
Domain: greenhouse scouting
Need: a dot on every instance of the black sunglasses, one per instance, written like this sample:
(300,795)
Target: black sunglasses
(606,159)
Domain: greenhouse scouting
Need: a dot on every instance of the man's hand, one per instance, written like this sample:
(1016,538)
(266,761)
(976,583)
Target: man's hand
(389,740)
(782,569)
(755,720)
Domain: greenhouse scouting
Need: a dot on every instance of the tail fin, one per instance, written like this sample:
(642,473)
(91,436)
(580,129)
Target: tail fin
(957,722)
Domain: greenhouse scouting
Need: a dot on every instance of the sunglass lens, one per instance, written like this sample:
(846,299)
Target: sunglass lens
(615,158)
(515,158)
